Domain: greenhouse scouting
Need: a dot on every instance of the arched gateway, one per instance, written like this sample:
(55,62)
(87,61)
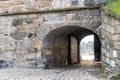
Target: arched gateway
(54,34)
(61,46)
(54,28)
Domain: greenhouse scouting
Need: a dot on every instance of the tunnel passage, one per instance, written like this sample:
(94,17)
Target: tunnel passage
(61,46)
(97,43)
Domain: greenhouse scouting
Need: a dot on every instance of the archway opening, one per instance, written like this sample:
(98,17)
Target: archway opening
(87,55)
(87,48)
(61,46)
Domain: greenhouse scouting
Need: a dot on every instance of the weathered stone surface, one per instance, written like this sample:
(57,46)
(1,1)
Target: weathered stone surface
(115,53)
(117,29)
(4,40)
(32,15)
(18,35)
(105,19)
(113,63)
(16,22)
(116,37)
(108,60)
(22,16)
(118,62)
(24,34)
(106,34)
(39,20)
(117,22)
(28,20)
(19,8)
(12,6)
(111,40)
(117,45)
(9,56)
(29,26)
(28,31)
(2,48)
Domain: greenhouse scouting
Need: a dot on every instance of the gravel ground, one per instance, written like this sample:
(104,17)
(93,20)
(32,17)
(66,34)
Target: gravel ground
(47,74)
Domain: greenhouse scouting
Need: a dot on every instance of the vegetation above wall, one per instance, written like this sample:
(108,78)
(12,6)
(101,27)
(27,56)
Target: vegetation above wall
(113,8)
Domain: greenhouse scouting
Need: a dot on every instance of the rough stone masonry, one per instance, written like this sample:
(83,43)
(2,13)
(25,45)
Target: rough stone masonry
(25,24)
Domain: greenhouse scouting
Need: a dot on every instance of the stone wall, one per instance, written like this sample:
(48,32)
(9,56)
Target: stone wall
(22,36)
(110,41)
(16,6)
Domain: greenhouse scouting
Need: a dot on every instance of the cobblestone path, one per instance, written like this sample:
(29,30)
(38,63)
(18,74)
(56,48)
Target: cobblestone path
(47,74)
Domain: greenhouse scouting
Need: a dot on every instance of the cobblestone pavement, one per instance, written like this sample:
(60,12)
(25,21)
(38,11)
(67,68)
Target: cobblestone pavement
(47,74)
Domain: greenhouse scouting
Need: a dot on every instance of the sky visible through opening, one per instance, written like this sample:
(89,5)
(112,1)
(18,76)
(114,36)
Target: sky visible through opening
(88,38)
(87,48)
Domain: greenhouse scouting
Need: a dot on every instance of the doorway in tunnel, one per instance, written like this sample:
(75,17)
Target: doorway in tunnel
(87,51)
(85,47)
(61,46)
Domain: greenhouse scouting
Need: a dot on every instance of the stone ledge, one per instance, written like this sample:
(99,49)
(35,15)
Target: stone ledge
(50,11)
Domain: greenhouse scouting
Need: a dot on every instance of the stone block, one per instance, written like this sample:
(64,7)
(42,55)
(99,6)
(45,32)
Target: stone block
(32,15)
(29,56)
(25,2)
(117,29)
(112,30)
(105,19)
(17,2)
(35,7)
(117,45)
(13,29)
(3,22)
(113,63)
(9,55)
(44,3)
(65,3)
(18,35)
(18,8)
(115,53)
(48,53)
(108,54)
(118,62)
(105,34)
(1,48)
(116,37)
(39,20)
(117,22)
(28,21)
(57,4)
(108,28)
(10,48)
(16,22)
(22,16)
(111,21)
(108,60)
(103,58)
(89,2)
(29,26)
(4,40)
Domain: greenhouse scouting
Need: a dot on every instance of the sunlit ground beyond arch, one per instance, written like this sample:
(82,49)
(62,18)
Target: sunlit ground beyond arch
(87,48)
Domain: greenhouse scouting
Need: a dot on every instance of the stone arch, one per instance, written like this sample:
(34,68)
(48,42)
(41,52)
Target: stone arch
(97,43)
(56,48)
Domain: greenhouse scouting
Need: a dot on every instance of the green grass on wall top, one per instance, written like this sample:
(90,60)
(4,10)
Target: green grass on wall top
(113,8)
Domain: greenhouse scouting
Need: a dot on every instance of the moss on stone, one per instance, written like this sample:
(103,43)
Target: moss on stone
(113,8)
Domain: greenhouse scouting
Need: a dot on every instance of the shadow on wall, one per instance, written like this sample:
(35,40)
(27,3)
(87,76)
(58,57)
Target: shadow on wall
(3,64)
